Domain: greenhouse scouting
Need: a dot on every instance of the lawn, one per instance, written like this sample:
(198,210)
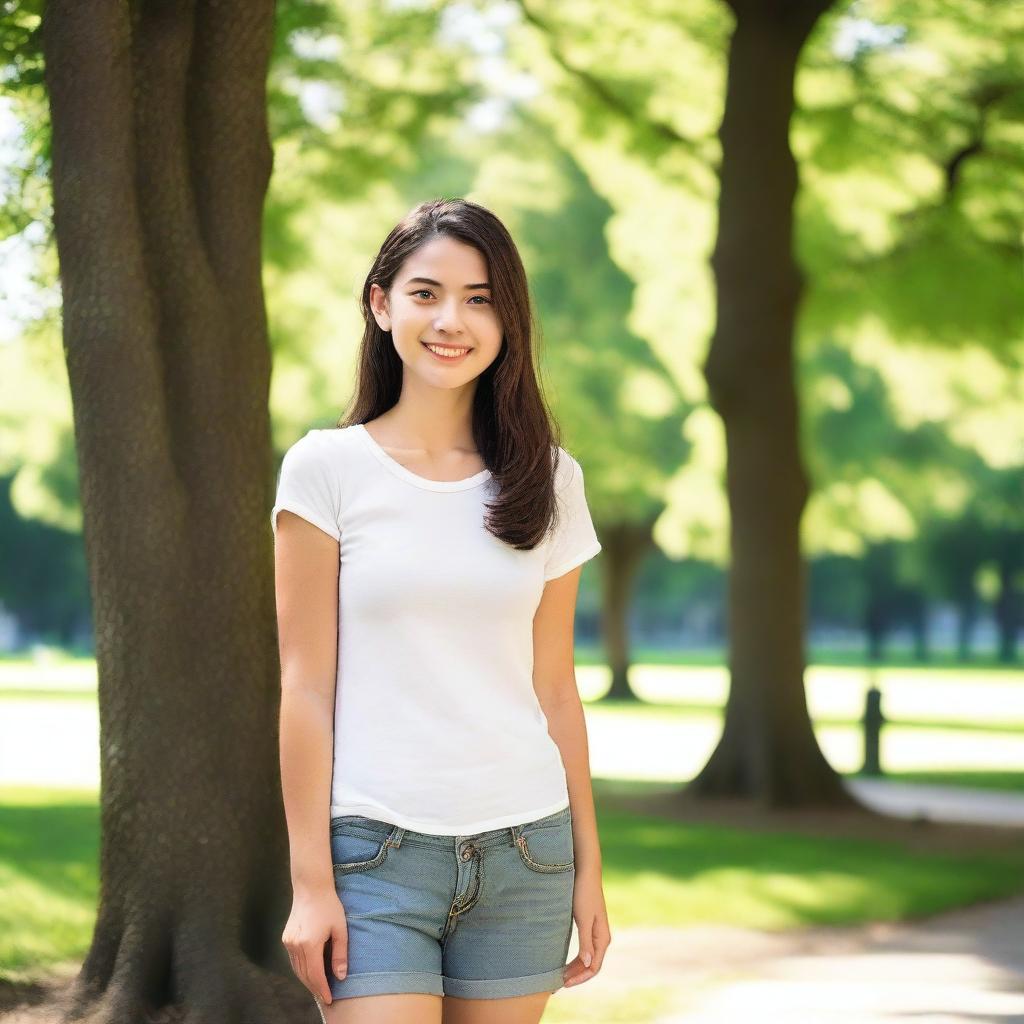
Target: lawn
(954,725)
(656,872)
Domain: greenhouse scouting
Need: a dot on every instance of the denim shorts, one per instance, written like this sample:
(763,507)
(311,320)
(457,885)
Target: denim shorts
(481,916)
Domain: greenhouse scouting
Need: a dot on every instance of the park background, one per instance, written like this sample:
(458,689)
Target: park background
(868,334)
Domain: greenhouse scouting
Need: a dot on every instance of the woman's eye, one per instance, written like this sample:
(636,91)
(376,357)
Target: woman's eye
(484,300)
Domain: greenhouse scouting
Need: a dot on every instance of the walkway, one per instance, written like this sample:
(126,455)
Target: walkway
(961,967)
(942,803)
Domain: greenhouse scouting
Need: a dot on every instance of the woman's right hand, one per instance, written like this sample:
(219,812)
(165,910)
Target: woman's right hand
(316,919)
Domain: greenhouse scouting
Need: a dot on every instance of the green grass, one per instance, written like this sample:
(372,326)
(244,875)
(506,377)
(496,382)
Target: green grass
(656,872)
(50,693)
(1005,781)
(78,683)
(693,709)
(80,666)
(591,654)
(1011,782)
(635,709)
(49,848)
(669,873)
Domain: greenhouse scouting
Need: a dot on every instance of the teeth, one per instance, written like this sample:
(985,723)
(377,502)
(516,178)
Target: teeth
(448,352)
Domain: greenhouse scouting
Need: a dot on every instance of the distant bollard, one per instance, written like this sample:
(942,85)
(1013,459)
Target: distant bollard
(873,720)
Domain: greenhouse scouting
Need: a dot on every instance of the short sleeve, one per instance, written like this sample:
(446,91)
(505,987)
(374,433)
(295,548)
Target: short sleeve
(574,539)
(308,485)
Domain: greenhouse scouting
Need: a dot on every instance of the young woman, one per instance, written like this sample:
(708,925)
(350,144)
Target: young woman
(428,554)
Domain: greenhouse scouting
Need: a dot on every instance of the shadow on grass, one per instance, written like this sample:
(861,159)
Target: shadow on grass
(660,867)
(774,873)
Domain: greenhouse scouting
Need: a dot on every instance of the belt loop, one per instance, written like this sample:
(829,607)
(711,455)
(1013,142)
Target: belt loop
(395,839)
(514,832)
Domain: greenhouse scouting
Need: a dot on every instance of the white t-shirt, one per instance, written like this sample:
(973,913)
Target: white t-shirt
(437,727)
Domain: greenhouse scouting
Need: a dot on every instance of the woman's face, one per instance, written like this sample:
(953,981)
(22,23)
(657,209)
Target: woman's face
(440,297)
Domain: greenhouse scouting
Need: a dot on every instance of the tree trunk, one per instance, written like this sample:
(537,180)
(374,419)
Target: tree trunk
(161,160)
(875,630)
(919,626)
(967,616)
(768,749)
(625,545)
(1008,601)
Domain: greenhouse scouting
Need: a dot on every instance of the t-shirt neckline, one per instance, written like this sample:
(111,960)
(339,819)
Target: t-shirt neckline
(414,478)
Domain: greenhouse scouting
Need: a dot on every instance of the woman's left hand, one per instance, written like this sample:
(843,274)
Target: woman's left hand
(591,917)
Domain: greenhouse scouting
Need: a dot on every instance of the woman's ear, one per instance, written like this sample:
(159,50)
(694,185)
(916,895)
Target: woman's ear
(379,307)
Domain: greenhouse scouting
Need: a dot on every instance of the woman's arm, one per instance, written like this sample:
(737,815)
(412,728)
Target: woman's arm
(306,583)
(568,728)
(306,587)
(554,680)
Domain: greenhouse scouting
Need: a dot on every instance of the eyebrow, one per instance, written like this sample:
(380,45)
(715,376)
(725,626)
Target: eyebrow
(437,284)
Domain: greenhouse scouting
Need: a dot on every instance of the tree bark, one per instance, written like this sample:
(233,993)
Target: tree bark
(919,623)
(876,629)
(768,750)
(967,617)
(919,626)
(1008,601)
(161,161)
(625,545)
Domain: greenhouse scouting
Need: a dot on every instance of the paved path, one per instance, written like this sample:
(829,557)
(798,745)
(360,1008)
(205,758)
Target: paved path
(961,967)
(964,966)
(942,803)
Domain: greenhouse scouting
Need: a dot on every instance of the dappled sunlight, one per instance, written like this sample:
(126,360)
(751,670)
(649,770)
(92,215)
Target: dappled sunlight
(695,521)
(955,695)
(664,872)
(54,740)
(845,516)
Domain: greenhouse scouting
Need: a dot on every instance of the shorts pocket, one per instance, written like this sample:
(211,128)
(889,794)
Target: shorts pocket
(547,847)
(358,845)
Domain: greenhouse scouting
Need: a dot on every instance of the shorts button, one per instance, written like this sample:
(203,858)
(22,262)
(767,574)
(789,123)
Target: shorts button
(467,852)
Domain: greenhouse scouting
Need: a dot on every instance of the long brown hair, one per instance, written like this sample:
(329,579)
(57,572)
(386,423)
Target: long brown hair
(513,428)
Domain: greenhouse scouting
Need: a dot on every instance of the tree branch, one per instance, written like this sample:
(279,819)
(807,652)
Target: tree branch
(600,90)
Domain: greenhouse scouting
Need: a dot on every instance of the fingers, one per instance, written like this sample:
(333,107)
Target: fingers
(302,957)
(339,952)
(602,939)
(578,970)
(316,976)
(594,940)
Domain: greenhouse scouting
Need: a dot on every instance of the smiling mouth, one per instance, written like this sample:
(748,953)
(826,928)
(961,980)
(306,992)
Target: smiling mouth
(442,352)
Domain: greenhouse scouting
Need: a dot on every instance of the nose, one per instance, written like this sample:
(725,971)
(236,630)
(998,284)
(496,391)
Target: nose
(449,318)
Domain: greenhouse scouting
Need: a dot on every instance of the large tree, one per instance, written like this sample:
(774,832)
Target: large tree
(903,114)
(768,748)
(161,158)
(160,164)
